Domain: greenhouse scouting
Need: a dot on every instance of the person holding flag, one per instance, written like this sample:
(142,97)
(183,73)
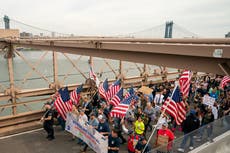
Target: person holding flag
(63,103)
(114,88)
(92,75)
(164,138)
(173,106)
(103,90)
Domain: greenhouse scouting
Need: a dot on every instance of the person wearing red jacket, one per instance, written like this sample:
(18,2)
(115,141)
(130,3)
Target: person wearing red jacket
(165,137)
(132,141)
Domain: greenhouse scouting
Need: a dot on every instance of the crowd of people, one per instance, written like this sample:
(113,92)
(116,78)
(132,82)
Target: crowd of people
(144,116)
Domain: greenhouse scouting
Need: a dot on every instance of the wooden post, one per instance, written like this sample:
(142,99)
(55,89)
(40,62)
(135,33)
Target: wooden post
(121,75)
(90,60)
(55,71)
(11,77)
(145,73)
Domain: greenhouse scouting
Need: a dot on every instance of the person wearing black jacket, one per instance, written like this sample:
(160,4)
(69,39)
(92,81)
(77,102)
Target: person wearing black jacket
(113,142)
(190,124)
(48,122)
(118,127)
(139,148)
(207,119)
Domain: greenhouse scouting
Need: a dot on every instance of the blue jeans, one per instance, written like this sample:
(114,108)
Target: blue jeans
(61,122)
(209,129)
(185,138)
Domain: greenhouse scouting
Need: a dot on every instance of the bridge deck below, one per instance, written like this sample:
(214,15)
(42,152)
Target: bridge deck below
(35,141)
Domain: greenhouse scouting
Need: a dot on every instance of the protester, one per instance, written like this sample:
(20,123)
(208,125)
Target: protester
(206,124)
(132,141)
(117,125)
(113,142)
(87,106)
(165,137)
(103,126)
(139,126)
(130,116)
(190,124)
(75,115)
(139,148)
(93,123)
(82,118)
(150,112)
(159,98)
(144,112)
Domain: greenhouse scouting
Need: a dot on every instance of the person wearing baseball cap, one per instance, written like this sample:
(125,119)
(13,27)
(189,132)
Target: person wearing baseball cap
(103,126)
(165,136)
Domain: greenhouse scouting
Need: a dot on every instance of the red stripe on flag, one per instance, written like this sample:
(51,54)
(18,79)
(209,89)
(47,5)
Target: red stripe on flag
(176,110)
(184,82)
(63,107)
(224,81)
(75,97)
(119,111)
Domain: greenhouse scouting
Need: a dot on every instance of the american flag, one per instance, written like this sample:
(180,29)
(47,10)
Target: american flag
(121,109)
(93,76)
(117,98)
(114,88)
(103,89)
(224,81)
(175,106)
(184,82)
(63,103)
(75,94)
(130,92)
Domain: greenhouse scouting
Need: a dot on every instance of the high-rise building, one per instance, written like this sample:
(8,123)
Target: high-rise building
(227,35)
(26,35)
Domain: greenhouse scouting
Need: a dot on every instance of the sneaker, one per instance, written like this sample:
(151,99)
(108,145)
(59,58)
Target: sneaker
(82,151)
(210,140)
(198,140)
(180,150)
(191,148)
(50,139)
(196,137)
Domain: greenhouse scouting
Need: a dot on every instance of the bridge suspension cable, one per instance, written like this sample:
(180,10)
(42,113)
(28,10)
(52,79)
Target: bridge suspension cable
(158,31)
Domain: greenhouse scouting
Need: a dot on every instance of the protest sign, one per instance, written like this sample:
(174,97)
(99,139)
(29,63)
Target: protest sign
(207,100)
(88,134)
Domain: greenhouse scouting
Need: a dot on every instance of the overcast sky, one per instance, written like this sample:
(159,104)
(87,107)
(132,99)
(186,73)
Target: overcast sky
(206,18)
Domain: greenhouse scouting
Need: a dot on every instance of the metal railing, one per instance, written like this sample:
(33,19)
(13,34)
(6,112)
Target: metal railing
(200,136)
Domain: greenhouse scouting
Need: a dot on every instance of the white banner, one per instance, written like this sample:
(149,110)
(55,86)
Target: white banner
(89,135)
(207,100)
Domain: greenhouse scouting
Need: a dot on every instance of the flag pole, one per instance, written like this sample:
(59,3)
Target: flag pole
(162,114)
